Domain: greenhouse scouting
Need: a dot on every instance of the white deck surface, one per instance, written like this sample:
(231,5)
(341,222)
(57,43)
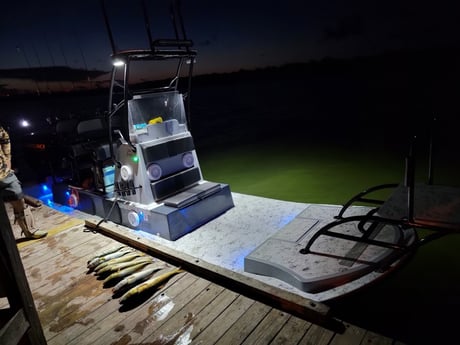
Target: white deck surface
(226,240)
(252,224)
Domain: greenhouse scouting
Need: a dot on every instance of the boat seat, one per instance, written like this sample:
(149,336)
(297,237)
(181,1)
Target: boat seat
(67,129)
(93,140)
(92,129)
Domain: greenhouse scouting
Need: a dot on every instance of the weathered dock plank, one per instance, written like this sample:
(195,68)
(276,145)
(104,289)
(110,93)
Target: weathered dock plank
(151,315)
(268,328)
(194,316)
(294,329)
(241,329)
(376,339)
(92,324)
(317,335)
(113,323)
(223,322)
(352,335)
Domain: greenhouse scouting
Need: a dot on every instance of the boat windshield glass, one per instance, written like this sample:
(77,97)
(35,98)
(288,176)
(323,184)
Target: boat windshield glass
(148,110)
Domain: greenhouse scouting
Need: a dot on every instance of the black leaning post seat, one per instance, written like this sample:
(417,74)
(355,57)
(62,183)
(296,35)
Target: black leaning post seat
(410,206)
(95,148)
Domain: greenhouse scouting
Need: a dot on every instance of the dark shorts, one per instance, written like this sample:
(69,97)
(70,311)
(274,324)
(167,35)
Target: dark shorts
(10,188)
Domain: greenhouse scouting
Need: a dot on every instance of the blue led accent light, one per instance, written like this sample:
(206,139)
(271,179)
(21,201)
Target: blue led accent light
(238,261)
(286,219)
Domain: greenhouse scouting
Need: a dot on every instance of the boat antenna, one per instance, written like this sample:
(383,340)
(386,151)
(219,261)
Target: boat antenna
(53,61)
(107,25)
(147,23)
(61,48)
(176,12)
(85,64)
(20,50)
(177,7)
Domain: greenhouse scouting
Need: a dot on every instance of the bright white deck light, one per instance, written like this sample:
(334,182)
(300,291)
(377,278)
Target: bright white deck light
(118,63)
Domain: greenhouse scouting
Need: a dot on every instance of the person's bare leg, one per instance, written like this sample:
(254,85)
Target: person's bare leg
(23,216)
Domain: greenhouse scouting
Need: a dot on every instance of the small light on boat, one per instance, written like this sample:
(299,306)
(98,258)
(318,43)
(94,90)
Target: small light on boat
(24,123)
(187,160)
(118,63)
(134,219)
(126,172)
(154,172)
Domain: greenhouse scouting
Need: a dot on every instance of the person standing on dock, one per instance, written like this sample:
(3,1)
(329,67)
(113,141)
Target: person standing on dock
(11,190)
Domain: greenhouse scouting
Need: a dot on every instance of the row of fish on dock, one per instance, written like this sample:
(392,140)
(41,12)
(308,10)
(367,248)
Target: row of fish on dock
(130,271)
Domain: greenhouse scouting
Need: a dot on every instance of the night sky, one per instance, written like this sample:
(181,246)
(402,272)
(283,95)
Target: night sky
(229,35)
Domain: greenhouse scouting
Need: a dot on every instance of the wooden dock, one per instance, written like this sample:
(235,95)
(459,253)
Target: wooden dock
(74,307)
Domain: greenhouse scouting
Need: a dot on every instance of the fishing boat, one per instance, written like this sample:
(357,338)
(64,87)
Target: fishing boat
(137,167)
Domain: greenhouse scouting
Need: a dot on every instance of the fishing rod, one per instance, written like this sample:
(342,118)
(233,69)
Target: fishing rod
(61,48)
(147,22)
(85,64)
(41,69)
(53,61)
(107,26)
(20,50)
